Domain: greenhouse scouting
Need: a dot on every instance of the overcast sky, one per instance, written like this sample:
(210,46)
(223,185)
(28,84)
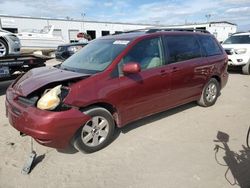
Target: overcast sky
(144,11)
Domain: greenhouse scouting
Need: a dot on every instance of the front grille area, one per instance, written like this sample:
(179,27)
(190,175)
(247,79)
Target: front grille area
(27,101)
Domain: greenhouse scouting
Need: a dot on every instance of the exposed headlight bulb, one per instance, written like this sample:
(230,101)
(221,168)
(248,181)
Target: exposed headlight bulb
(50,99)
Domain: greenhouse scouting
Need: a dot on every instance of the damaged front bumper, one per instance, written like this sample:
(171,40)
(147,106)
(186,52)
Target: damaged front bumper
(49,128)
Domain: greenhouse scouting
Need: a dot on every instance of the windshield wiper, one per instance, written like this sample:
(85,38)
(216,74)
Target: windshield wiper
(67,69)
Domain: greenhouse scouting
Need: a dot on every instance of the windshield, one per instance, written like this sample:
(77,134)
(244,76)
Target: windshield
(95,57)
(238,39)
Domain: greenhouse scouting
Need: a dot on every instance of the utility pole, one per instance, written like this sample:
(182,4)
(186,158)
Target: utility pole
(83,15)
(208,16)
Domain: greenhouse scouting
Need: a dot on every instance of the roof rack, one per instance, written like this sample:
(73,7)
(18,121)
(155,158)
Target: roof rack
(153,30)
(130,31)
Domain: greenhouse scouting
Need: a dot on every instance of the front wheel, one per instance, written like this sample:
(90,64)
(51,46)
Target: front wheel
(4,50)
(210,93)
(96,133)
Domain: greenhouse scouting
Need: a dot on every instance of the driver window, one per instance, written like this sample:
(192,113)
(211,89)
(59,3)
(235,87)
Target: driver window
(148,53)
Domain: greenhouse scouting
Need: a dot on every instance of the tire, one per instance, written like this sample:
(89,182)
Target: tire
(96,133)
(210,93)
(4,49)
(246,68)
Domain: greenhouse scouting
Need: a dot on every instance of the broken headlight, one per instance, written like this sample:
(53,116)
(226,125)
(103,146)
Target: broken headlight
(50,99)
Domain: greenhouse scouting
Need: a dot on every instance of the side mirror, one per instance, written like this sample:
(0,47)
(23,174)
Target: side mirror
(131,68)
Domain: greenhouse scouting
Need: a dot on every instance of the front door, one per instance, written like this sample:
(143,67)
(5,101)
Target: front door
(143,93)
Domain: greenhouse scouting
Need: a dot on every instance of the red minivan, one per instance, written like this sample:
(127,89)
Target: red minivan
(115,80)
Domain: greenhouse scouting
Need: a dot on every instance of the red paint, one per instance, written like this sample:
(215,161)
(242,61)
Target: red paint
(133,96)
(131,68)
(56,128)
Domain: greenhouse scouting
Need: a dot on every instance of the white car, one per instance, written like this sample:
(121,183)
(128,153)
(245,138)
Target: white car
(9,44)
(237,48)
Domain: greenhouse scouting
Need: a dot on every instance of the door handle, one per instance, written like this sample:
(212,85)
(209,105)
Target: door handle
(175,69)
(163,72)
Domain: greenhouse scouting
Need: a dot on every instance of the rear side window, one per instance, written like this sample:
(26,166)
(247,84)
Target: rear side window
(182,47)
(210,45)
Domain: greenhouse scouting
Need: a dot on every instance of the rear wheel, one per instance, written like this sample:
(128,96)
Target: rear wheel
(210,93)
(4,50)
(96,133)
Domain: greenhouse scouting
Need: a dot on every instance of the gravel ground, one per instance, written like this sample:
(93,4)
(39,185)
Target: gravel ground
(171,149)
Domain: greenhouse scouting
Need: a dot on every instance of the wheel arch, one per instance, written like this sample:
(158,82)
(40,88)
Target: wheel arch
(217,78)
(111,108)
(6,44)
(4,39)
(76,140)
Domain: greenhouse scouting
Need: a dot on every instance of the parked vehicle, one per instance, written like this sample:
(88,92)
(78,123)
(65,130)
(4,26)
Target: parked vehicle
(115,80)
(237,48)
(13,66)
(40,40)
(63,52)
(9,44)
(83,37)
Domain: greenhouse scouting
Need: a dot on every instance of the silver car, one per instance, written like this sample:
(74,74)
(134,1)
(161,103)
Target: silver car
(9,44)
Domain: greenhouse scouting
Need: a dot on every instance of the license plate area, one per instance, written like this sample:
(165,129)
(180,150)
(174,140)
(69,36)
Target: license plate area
(4,72)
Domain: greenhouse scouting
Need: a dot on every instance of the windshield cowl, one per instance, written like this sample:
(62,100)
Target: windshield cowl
(77,70)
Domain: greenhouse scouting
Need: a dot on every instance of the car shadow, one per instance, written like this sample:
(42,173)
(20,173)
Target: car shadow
(238,163)
(138,124)
(235,70)
(4,85)
(68,150)
(156,117)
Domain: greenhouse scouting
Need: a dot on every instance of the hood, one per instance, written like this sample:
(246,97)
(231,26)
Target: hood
(3,32)
(39,77)
(235,46)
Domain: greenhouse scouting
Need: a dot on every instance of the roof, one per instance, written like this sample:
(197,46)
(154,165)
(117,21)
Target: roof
(131,35)
(126,36)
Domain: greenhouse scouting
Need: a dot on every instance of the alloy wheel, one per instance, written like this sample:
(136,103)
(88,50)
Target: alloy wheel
(211,92)
(95,131)
(3,49)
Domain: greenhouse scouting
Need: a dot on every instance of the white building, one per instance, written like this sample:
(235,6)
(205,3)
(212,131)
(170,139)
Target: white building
(221,30)
(68,28)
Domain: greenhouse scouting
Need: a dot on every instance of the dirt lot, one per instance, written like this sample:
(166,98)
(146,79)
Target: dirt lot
(171,149)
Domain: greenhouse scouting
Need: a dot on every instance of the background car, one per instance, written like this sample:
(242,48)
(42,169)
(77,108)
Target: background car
(9,44)
(65,51)
(237,48)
